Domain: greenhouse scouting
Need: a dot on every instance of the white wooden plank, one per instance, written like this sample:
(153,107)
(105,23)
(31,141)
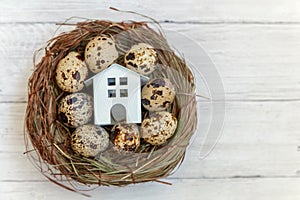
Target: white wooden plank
(255,46)
(189,189)
(256,62)
(259,139)
(189,10)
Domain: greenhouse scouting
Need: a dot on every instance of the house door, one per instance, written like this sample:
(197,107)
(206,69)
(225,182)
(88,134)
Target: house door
(118,113)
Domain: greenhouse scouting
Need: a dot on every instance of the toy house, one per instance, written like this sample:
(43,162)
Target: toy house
(117,95)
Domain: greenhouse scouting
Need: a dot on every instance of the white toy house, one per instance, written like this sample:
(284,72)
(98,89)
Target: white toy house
(117,92)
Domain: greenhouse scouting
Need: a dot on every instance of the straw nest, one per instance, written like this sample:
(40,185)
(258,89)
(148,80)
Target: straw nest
(49,147)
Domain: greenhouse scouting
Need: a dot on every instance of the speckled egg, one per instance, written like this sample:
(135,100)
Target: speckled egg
(158,94)
(89,140)
(75,109)
(100,53)
(141,58)
(126,136)
(158,128)
(71,72)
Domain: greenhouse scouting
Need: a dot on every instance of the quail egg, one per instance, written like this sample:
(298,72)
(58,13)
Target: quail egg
(158,94)
(75,109)
(71,72)
(100,52)
(126,136)
(89,140)
(141,58)
(158,128)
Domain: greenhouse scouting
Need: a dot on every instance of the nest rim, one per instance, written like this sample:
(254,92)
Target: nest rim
(47,139)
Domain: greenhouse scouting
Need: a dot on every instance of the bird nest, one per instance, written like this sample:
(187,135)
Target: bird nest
(48,140)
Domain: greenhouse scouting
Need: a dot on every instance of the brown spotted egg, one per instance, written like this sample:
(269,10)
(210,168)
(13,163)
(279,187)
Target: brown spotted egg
(89,140)
(141,58)
(158,94)
(100,53)
(71,72)
(126,136)
(75,109)
(158,128)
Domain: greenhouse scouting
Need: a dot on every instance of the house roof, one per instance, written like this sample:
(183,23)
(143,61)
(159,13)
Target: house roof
(115,65)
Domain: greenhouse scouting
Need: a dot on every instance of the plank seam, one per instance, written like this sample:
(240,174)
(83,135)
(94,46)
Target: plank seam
(185,178)
(227,100)
(182,22)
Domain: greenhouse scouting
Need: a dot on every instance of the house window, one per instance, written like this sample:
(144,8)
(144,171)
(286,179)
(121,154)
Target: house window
(111,81)
(111,93)
(123,81)
(123,93)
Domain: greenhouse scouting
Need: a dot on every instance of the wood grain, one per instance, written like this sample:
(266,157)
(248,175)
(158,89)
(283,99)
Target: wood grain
(188,189)
(188,11)
(259,140)
(255,62)
(255,47)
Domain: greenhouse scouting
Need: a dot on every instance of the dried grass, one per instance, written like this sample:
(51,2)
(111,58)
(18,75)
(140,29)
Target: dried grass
(50,148)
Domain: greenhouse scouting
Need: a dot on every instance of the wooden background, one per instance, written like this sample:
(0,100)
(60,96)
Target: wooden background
(255,45)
